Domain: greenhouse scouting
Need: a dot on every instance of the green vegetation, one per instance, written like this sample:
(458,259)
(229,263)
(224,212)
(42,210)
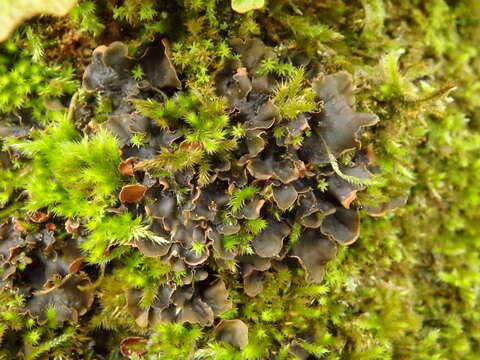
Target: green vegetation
(407,289)
(32,86)
(71,176)
(203,122)
(240,196)
(292,98)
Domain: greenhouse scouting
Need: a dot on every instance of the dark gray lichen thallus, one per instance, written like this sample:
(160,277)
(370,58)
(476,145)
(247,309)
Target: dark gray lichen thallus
(327,218)
(287,175)
(52,275)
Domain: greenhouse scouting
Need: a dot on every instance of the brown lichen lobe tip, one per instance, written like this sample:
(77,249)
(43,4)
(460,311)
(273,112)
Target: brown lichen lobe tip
(126,167)
(39,217)
(133,346)
(313,251)
(343,226)
(344,191)
(339,126)
(253,283)
(159,70)
(108,63)
(132,193)
(216,296)
(67,298)
(242,71)
(181,304)
(269,242)
(233,332)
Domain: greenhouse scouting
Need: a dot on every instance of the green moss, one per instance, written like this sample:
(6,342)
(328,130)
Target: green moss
(203,121)
(292,98)
(240,196)
(31,86)
(72,176)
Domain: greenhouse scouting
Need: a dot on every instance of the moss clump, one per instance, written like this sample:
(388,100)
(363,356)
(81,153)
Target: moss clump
(31,88)
(72,176)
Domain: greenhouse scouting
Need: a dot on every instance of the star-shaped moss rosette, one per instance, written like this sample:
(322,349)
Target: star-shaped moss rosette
(248,177)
